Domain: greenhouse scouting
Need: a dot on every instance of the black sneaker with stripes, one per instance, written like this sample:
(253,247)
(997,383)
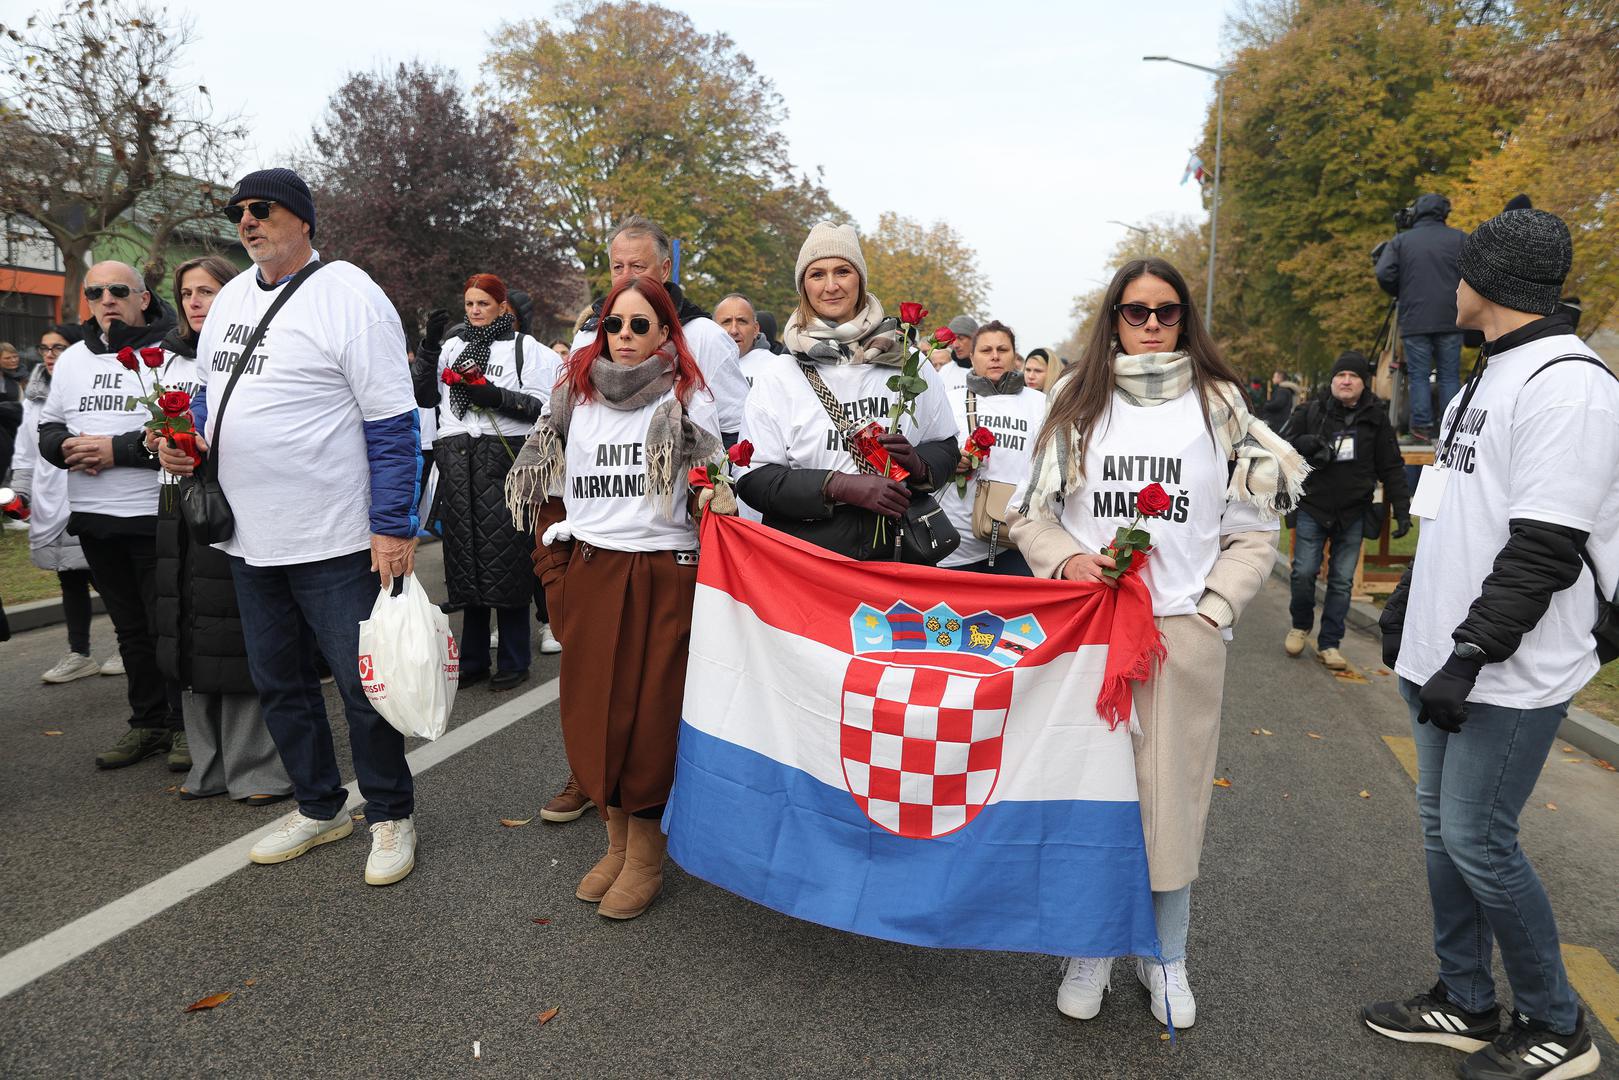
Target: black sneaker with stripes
(1529,1050)
(1433,1018)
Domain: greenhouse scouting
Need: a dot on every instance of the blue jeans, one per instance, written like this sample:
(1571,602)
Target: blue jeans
(280,606)
(514,651)
(1308,540)
(1471,788)
(1173,912)
(1422,352)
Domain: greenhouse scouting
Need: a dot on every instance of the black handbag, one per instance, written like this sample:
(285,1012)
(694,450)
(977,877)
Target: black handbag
(203,505)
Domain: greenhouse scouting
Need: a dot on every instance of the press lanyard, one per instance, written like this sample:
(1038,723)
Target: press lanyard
(1461,410)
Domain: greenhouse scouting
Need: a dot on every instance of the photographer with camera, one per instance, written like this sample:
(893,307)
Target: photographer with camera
(1418,267)
(1345,434)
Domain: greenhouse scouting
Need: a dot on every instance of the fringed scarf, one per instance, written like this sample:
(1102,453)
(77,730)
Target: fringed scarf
(475,355)
(1268,474)
(868,338)
(673,443)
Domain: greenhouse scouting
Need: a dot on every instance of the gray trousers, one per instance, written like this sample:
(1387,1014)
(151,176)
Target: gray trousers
(231,749)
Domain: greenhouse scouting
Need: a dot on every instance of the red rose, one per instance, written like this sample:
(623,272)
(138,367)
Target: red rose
(982,438)
(912,314)
(152,356)
(741,454)
(174,403)
(944,335)
(474,377)
(450,376)
(126,357)
(698,478)
(1152,500)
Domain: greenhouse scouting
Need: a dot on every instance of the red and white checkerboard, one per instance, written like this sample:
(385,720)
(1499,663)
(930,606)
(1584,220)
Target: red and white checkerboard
(921,746)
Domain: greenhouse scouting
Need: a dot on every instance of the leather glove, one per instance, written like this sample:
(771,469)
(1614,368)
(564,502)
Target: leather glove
(1444,696)
(904,454)
(485,395)
(1402,525)
(1391,648)
(1307,445)
(437,320)
(878,494)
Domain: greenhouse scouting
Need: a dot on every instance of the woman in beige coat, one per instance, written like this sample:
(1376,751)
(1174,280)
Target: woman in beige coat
(1152,401)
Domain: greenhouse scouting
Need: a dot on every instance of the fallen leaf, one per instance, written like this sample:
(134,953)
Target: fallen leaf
(1574,761)
(1222,781)
(1384,671)
(1286,795)
(1313,735)
(1163,1036)
(250,982)
(209,1002)
(542,922)
(1266,731)
(512,823)
(171,789)
(548,1015)
(1551,806)
(1569,750)
(1366,794)
(1599,763)
(52,733)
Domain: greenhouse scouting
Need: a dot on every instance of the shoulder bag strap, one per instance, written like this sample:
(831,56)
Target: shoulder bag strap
(834,409)
(1602,597)
(252,343)
(972,412)
(519,344)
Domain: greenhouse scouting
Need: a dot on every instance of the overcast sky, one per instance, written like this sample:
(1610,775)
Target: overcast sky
(1055,124)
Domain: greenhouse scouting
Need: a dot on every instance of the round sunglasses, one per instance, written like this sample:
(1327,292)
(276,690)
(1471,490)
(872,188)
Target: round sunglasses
(640,325)
(1138,314)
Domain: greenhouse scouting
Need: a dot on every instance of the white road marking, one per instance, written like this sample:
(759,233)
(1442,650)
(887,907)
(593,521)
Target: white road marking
(23,965)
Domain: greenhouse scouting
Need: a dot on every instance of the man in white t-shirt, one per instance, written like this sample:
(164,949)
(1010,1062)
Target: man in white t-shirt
(955,361)
(736,316)
(1490,632)
(318,451)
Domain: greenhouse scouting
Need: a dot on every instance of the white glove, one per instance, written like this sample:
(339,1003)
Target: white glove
(558,531)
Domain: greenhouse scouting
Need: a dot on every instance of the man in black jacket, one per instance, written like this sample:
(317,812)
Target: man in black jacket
(1491,634)
(1419,267)
(1345,434)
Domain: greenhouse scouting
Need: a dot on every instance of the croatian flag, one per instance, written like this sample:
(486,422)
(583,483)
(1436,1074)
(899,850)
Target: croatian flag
(927,756)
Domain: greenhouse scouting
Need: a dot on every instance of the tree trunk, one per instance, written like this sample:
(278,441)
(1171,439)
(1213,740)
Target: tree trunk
(73,272)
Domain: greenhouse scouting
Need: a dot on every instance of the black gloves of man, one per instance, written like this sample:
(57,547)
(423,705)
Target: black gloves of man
(1444,696)
(433,335)
(1402,525)
(868,491)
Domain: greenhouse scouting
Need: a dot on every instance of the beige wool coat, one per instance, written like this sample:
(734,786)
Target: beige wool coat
(1179,706)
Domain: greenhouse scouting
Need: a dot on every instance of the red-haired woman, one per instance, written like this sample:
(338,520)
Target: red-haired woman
(489,382)
(624,428)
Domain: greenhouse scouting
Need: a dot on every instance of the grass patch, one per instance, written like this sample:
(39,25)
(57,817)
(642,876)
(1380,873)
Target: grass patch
(1601,694)
(20,580)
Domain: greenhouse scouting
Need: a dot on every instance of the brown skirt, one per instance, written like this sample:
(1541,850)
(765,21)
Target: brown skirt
(625,627)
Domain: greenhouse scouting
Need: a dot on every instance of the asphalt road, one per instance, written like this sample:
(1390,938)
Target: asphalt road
(1311,901)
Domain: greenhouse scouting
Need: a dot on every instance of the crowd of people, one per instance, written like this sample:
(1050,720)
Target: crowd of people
(570,478)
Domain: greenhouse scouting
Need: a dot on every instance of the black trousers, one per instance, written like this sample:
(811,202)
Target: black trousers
(76,608)
(125,572)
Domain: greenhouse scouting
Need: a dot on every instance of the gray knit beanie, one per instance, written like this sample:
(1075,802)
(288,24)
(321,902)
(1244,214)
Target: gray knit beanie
(829,241)
(1518,259)
(963,326)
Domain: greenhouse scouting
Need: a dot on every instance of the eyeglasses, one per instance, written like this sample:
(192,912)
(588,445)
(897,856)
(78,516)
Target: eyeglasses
(260,210)
(52,348)
(93,293)
(640,325)
(1137,314)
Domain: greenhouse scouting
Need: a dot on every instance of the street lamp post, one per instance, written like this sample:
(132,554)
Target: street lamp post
(1219,131)
(1132,228)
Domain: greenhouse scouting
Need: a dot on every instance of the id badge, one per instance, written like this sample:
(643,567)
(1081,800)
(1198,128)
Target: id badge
(1430,490)
(1346,448)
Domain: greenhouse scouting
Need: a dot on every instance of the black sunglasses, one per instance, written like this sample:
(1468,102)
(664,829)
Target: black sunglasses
(1138,314)
(260,210)
(640,325)
(93,292)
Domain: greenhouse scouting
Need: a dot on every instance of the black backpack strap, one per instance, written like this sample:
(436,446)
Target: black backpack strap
(1571,356)
(519,343)
(252,343)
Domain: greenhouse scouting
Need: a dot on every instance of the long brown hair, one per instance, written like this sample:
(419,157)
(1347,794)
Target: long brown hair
(216,267)
(1086,391)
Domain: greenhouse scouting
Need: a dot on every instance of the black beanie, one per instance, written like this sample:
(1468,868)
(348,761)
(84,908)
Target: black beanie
(1353,362)
(278,185)
(1518,259)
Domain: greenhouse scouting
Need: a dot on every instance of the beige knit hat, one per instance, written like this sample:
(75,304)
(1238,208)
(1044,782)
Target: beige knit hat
(829,241)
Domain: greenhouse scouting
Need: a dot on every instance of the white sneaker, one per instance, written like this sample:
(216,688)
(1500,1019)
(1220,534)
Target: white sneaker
(296,834)
(1333,659)
(1168,980)
(1295,641)
(16,526)
(72,666)
(1085,979)
(393,852)
(113,665)
(548,641)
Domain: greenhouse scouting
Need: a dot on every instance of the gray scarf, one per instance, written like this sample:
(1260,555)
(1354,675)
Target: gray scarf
(39,385)
(673,443)
(1009,383)
(868,338)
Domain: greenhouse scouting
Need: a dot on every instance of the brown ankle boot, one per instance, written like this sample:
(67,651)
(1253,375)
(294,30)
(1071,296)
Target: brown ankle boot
(642,877)
(594,885)
(568,804)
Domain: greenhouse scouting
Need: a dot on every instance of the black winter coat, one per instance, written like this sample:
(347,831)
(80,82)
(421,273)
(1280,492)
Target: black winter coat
(1419,267)
(1336,491)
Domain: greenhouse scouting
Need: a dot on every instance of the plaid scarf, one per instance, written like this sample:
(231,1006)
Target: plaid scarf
(1267,472)
(868,338)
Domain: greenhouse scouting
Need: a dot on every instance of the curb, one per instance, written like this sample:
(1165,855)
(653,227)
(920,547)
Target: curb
(1584,730)
(39,613)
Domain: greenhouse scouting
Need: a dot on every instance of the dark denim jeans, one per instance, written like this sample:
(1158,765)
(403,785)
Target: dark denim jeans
(515,639)
(280,606)
(1308,541)
(1471,787)
(1422,352)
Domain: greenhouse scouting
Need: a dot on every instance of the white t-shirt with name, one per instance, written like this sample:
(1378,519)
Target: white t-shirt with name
(716,356)
(93,394)
(604,490)
(1015,420)
(1545,450)
(953,375)
(1134,446)
(539,375)
(295,466)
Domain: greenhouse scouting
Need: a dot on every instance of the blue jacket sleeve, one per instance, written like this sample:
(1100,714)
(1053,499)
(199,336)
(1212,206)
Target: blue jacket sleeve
(199,409)
(394,448)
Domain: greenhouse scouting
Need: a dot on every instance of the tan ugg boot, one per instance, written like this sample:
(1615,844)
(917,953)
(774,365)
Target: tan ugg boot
(642,878)
(594,885)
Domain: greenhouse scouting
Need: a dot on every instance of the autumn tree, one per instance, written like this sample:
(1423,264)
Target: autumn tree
(100,132)
(932,265)
(628,108)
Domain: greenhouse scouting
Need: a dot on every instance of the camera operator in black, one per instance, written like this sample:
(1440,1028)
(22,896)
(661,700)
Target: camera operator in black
(1419,267)
(1345,434)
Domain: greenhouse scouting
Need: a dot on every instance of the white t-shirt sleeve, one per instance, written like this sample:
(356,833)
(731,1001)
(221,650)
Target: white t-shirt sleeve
(374,363)
(762,423)
(717,356)
(541,369)
(1564,454)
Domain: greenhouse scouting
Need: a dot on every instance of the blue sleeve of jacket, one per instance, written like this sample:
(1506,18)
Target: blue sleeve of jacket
(199,409)
(394,448)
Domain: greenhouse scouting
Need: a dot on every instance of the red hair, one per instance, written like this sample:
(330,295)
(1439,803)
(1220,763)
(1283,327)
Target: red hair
(687,376)
(489,283)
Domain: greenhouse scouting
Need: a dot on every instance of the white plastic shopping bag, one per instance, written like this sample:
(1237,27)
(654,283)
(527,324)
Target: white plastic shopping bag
(409,665)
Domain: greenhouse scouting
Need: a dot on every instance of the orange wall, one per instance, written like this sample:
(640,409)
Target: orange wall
(40,283)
